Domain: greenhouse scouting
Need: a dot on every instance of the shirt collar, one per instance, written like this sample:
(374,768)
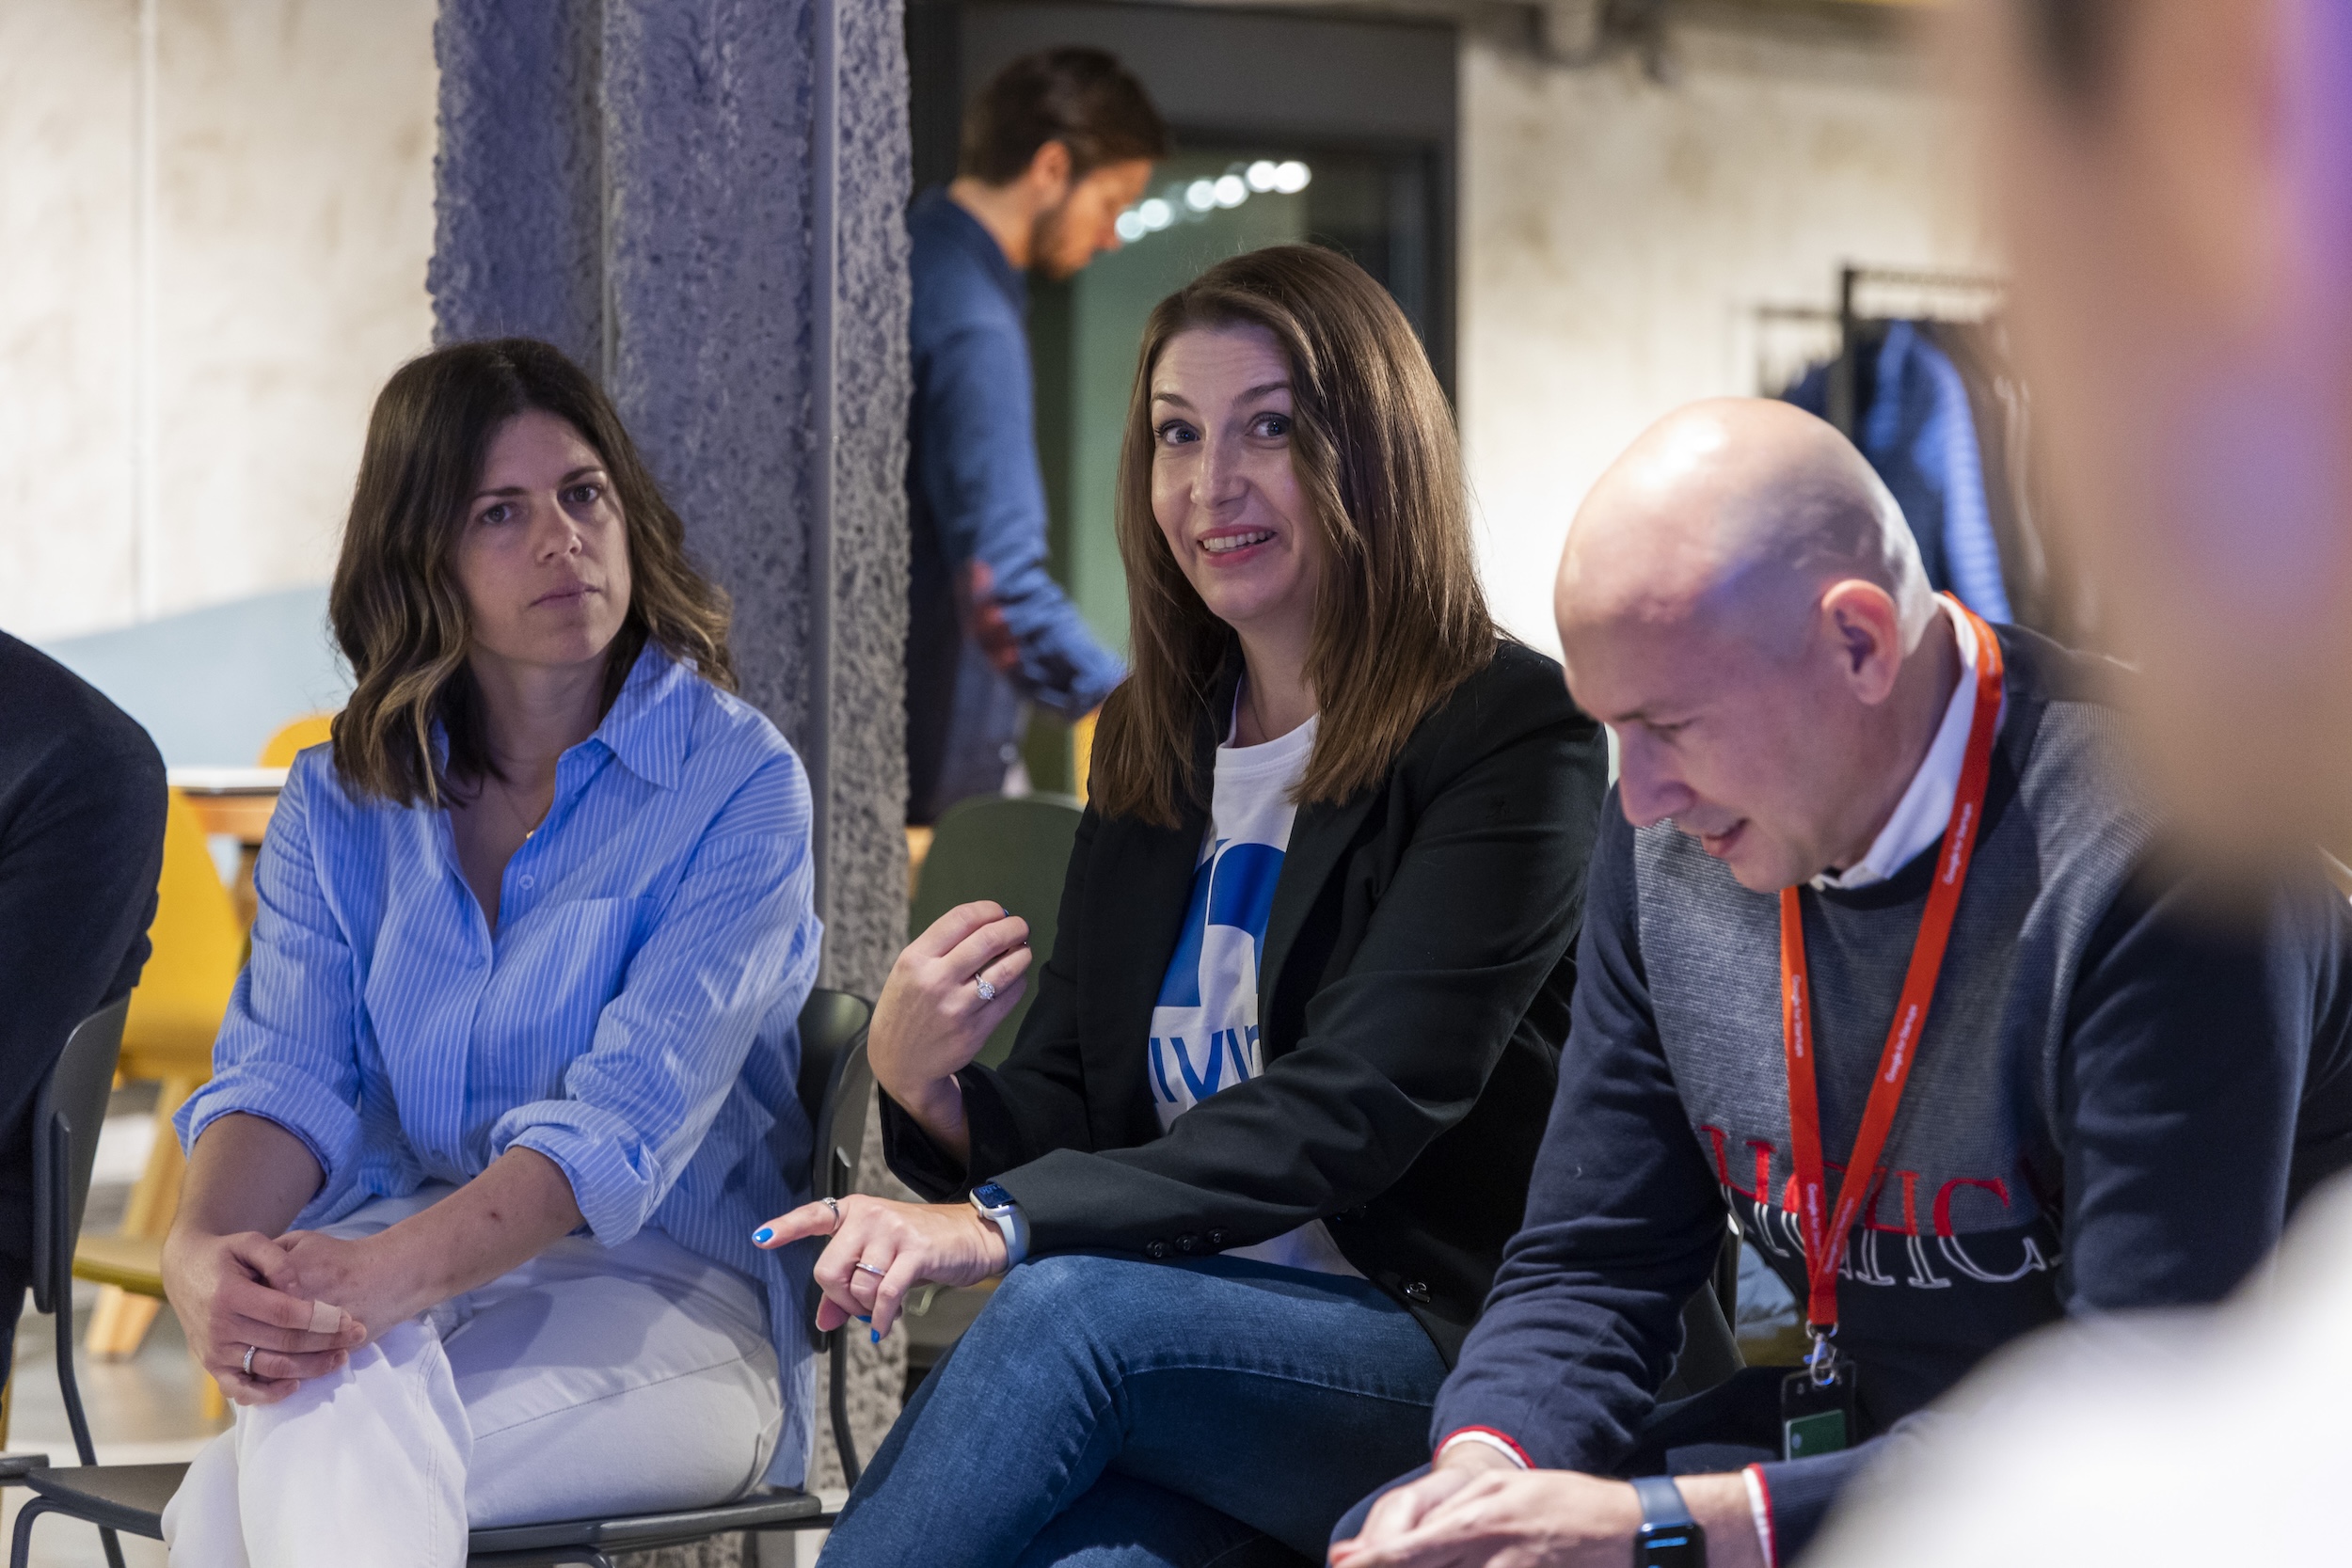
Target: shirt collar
(970,235)
(1926,808)
(647,723)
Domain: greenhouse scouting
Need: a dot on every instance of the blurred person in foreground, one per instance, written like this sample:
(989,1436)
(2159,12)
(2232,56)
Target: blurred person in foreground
(1252,1160)
(1055,148)
(464,1230)
(81,847)
(2175,178)
(1884,955)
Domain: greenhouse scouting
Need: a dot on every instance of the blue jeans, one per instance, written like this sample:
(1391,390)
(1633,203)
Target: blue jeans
(1112,1413)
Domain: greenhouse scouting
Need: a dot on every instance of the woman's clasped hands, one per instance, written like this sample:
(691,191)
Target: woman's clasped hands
(250,1322)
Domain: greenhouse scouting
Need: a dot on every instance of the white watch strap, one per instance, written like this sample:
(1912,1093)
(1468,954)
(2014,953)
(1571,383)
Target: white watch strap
(1015,1226)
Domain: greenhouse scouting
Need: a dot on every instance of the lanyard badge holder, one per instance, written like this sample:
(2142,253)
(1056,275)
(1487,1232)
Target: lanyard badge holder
(1818,1410)
(1818,1414)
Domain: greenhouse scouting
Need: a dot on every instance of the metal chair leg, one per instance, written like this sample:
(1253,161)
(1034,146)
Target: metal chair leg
(62,1301)
(20,1547)
(844,1441)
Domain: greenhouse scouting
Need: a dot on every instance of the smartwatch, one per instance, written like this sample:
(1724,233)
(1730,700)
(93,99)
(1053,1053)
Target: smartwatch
(998,1207)
(1669,1537)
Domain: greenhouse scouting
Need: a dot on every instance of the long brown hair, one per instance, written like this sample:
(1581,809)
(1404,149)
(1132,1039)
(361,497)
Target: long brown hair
(1401,619)
(398,612)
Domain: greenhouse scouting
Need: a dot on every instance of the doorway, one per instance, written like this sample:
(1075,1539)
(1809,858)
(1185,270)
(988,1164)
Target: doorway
(1288,128)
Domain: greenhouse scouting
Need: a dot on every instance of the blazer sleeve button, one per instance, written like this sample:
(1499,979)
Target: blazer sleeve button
(1417,1293)
(1218,1240)
(1155,1249)
(1188,1242)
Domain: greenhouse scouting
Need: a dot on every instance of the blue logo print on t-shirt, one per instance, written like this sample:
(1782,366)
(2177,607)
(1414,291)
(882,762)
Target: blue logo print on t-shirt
(1204,1029)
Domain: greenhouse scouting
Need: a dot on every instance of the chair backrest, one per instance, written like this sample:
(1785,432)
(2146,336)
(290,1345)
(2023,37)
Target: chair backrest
(1013,850)
(66,1119)
(834,1084)
(296,736)
(199,945)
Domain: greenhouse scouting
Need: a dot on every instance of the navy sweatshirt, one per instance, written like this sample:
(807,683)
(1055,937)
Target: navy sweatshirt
(81,844)
(2115,1105)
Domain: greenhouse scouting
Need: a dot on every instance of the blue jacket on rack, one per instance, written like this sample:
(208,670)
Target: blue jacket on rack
(1918,432)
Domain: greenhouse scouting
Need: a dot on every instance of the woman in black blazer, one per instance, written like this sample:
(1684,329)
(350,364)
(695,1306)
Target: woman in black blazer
(1257,1150)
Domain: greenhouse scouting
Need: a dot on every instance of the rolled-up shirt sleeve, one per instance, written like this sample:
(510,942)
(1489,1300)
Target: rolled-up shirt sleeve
(287,1048)
(737,939)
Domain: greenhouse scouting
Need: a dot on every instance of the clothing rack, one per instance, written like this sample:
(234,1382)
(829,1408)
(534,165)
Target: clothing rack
(1844,373)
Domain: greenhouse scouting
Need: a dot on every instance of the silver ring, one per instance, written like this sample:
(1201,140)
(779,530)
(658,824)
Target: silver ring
(986,990)
(248,1359)
(869,1268)
(836,1212)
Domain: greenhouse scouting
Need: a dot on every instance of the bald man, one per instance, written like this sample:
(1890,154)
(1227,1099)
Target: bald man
(2093,1105)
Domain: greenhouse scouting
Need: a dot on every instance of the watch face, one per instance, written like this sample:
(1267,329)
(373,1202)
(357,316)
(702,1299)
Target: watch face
(1670,1547)
(988,1194)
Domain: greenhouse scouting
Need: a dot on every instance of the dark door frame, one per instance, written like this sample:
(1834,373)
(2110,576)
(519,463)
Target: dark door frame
(1221,73)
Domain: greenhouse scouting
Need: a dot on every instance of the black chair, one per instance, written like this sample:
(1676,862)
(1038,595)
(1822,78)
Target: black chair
(833,1086)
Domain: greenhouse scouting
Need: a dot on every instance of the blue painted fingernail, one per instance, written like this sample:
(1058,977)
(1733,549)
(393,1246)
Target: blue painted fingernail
(865,1319)
(876,1335)
(764,1234)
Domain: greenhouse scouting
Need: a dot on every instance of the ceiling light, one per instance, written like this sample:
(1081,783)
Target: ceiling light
(1201,195)
(1231,192)
(1261,175)
(1292,177)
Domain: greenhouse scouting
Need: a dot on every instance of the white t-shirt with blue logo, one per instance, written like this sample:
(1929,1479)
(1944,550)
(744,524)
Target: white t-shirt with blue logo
(1204,1029)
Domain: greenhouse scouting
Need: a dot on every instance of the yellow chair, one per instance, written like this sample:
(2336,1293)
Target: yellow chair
(311,729)
(199,946)
(1082,754)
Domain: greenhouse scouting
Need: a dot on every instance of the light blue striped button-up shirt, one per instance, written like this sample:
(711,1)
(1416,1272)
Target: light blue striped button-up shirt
(633,1019)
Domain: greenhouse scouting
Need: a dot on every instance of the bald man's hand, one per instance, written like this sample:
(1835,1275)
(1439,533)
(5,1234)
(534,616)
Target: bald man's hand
(1477,1509)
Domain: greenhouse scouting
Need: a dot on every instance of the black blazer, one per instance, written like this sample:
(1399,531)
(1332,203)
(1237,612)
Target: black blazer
(1413,999)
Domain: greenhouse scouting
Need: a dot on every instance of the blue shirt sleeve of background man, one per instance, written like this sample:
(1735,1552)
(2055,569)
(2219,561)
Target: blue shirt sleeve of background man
(975,484)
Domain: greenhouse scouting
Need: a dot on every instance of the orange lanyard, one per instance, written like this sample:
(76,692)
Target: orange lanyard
(1826,1235)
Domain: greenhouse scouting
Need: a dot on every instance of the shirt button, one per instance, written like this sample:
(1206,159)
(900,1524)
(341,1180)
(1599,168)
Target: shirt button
(526,881)
(1155,1249)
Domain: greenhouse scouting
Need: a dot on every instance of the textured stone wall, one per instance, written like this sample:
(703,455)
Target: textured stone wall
(518,177)
(632,180)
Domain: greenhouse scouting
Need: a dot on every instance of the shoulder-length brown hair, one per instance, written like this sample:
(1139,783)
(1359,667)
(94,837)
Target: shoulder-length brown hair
(398,612)
(1401,619)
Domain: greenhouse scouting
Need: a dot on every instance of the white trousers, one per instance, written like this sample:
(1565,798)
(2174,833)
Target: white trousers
(590,1381)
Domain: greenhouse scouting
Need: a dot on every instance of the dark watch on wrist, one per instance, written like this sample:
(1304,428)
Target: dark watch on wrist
(1669,1537)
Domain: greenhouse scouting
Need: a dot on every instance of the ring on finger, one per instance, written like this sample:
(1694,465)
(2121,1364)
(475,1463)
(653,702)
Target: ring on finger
(836,1212)
(249,1351)
(986,987)
(864,1267)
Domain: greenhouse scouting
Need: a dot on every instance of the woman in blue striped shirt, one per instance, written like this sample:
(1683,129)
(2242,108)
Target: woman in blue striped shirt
(509,1080)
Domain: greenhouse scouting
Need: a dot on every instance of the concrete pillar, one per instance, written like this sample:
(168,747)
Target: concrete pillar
(636,181)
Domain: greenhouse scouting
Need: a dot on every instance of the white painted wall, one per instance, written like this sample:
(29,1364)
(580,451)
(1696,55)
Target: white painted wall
(214,226)
(1617,235)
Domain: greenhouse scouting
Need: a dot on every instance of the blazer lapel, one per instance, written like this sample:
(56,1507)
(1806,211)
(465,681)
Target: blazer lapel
(1319,836)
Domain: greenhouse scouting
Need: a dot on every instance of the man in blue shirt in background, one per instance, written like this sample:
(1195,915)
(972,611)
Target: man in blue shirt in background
(1055,148)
